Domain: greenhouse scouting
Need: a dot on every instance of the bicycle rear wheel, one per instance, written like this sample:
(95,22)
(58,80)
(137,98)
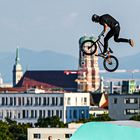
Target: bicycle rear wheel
(88,47)
(111,63)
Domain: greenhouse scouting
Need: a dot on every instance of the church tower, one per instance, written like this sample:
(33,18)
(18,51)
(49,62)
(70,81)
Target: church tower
(88,71)
(17,69)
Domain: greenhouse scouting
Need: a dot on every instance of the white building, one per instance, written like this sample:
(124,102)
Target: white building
(124,106)
(28,107)
(56,133)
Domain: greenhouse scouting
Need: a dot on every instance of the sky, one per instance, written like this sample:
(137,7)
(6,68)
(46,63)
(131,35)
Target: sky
(57,25)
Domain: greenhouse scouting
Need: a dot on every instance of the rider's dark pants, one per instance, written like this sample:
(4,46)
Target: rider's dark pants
(113,32)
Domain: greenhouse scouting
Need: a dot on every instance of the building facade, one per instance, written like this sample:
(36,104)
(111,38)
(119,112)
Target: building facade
(56,133)
(128,86)
(123,106)
(28,107)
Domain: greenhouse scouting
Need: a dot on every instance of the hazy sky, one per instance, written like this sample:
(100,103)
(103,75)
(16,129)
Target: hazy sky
(57,25)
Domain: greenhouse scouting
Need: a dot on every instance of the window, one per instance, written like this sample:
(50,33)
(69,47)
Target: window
(115,101)
(44,101)
(60,114)
(70,114)
(49,113)
(32,113)
(6,101)
(75,114)
(131,111)
(35,113)
(27,113)
(28,102)
(52,113)
(23,101)
(85,101)
(23,113)
(53,101)
(57,113)
(37,136)
(61,101)
(40,114)
(48,101)
(56,101)
(3,101)
(18,114)
(131,100)
(39,100)
(14,101)
(19,101)
(36,101)
(68,101)
(11,101)
(31,101)
(68,135)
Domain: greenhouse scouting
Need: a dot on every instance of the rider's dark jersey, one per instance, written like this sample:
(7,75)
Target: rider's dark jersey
(109,20)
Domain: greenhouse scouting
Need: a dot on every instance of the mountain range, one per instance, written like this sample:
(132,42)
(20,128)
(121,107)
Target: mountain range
(49,60)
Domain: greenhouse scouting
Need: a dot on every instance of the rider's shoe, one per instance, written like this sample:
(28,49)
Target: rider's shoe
(131,42)
(102,54)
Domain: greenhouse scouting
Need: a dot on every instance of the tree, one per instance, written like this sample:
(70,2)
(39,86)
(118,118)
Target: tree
(5,134)
(18,131)
(103,117)
(92,118)
(50,122)
(136,118)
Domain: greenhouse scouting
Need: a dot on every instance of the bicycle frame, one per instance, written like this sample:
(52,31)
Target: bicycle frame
(101,44)
(110,62)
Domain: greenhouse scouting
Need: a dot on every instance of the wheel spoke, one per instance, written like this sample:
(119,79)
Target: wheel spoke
(88,47)
(110,63)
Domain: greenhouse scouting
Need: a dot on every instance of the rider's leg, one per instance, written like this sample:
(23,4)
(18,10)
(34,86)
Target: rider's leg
(108,36)
(116,36)
(117,39)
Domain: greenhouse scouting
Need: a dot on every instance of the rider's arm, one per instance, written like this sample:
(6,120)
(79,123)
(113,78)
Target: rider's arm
(105,27)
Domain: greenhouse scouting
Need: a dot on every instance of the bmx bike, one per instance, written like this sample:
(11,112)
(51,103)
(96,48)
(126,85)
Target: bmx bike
(89,47)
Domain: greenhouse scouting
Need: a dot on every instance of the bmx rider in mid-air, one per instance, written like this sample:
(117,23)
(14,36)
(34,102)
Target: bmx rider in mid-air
(108,21)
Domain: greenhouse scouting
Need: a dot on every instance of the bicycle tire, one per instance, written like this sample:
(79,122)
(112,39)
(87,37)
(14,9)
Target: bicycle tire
(114,63)
(85,49)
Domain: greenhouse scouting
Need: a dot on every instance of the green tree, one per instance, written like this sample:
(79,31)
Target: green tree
(92,118)
(5,134)
(103,117)
(136,118)
(50,122)
(18,131)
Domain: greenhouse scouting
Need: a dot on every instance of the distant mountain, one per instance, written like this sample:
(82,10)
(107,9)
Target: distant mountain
(35,60)
(49,60)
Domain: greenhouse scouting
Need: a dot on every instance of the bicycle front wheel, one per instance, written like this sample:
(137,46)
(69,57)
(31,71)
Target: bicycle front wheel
(88,47)
(111,63)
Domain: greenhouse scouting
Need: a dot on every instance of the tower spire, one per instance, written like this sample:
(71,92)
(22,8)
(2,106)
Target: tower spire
(17,69)
(17,56)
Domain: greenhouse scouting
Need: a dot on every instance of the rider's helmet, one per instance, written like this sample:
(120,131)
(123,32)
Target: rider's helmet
(95,18)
